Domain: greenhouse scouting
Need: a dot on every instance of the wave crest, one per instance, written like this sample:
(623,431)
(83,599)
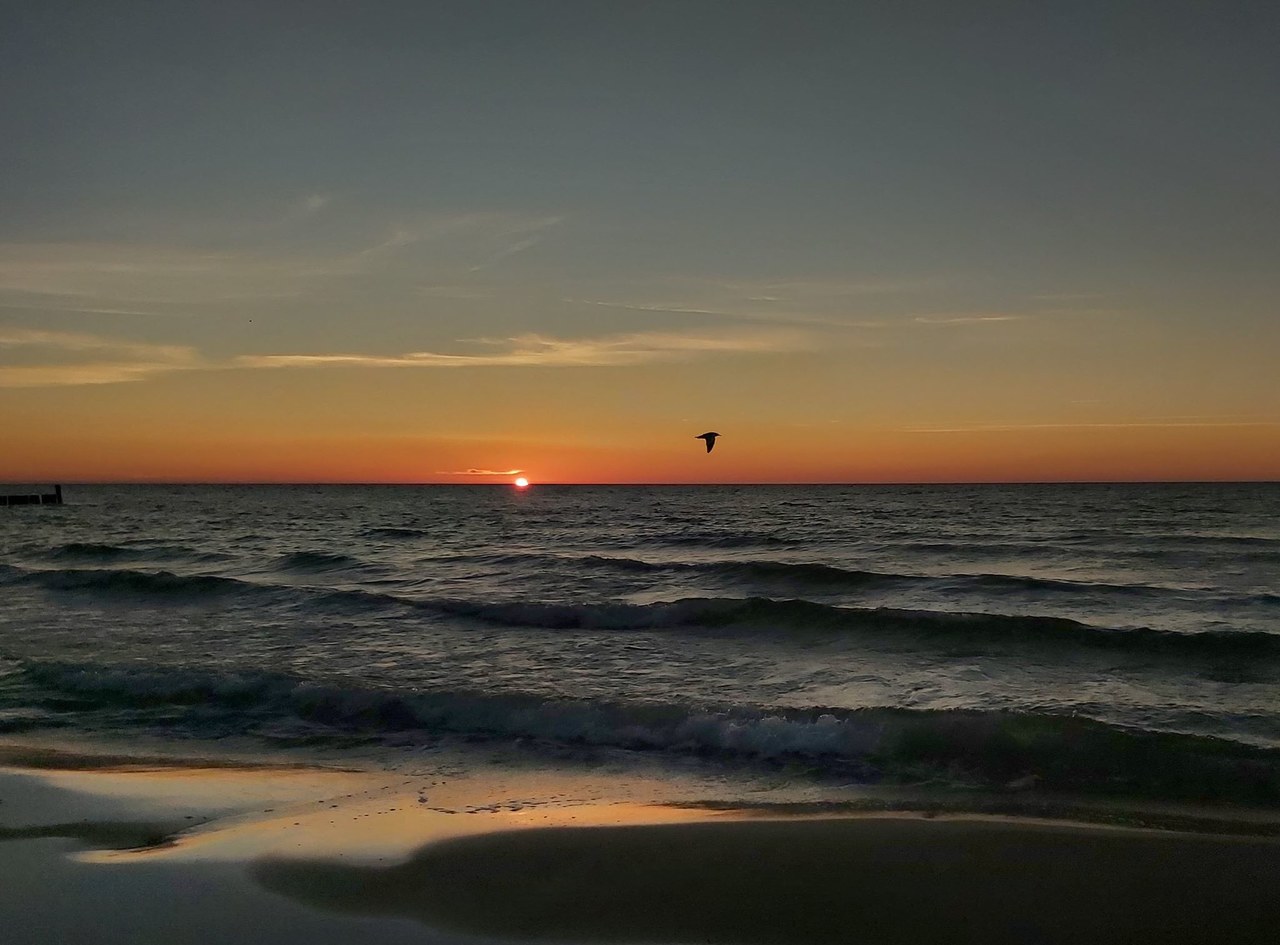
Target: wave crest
(765,614)
(164,585)
(989,748)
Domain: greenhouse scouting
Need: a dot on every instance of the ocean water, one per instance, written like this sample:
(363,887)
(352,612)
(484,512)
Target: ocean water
(1119,640)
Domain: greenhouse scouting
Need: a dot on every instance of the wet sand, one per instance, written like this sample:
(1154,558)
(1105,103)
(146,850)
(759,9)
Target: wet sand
(97,854)
(159,849)
(867,880)
(164,851)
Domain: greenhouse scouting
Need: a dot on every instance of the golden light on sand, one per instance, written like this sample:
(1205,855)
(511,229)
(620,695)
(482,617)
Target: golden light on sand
(521,482)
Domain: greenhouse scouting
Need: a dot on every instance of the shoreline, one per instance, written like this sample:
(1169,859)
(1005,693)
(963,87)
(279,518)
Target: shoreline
(326,853)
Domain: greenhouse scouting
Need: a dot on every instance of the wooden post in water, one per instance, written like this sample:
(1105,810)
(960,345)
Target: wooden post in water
(26,494)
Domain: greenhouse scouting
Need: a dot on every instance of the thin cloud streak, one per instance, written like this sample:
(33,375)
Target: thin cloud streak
(673,307)
(74,359)
(54,358)
(1125,425)
(775,317)
(489,228)
(113,275)
(90,276)
(40,304)
(534,230)
(399,237)
(966,319)
(1066,296)
(519,247)
(798,289)
(541,351)
(480,472)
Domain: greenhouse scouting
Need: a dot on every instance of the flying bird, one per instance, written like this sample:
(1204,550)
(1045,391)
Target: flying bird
(710,438)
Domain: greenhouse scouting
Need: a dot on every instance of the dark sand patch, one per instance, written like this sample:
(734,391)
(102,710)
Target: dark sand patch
(102,835)
(874,881)
(39,757)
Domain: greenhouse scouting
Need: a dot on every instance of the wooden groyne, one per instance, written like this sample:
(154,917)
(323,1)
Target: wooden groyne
(23,494)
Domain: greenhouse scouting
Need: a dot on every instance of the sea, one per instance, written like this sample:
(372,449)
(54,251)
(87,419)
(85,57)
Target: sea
(1116,641)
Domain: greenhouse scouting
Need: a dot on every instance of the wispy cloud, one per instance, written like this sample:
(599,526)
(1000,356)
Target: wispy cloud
(821,303)
(494,236)
(534,230)
(398,237)
(480,472)
(55,358)
(775,290)
(831,303)
(674,307)
(966,319)
(1118,425)
(314,203)
(37,358)
(296,213)
(743,312)
(541,351)
(127,278)
(1066,296)
(455,291)
(119,277)
(40,303)
(518,247)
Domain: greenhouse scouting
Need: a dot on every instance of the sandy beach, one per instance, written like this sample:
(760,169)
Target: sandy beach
(161,849)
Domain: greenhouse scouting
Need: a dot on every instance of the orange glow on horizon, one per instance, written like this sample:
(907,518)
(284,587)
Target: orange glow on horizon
(187,429)
(762,455)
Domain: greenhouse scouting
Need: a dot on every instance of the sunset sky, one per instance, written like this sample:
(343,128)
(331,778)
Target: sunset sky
(423,241)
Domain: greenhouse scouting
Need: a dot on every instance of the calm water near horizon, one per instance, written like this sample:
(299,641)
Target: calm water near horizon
(1119,639)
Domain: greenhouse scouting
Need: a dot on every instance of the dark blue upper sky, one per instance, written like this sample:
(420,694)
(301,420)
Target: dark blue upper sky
(883,136)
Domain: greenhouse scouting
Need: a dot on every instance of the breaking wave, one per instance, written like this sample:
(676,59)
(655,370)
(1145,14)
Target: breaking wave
(871,744)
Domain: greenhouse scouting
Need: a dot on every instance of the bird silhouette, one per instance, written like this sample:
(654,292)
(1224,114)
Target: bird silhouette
(710,438)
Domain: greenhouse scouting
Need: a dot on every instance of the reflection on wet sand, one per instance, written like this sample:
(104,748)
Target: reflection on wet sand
(885,880)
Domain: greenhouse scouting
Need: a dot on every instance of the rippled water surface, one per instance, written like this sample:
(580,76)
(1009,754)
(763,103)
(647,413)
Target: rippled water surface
(1083,633)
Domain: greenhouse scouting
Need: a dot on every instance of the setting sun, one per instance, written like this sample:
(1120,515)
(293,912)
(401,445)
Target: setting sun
(521,482)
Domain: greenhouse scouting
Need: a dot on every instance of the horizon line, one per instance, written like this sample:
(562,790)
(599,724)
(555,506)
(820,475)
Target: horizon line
(532,484)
